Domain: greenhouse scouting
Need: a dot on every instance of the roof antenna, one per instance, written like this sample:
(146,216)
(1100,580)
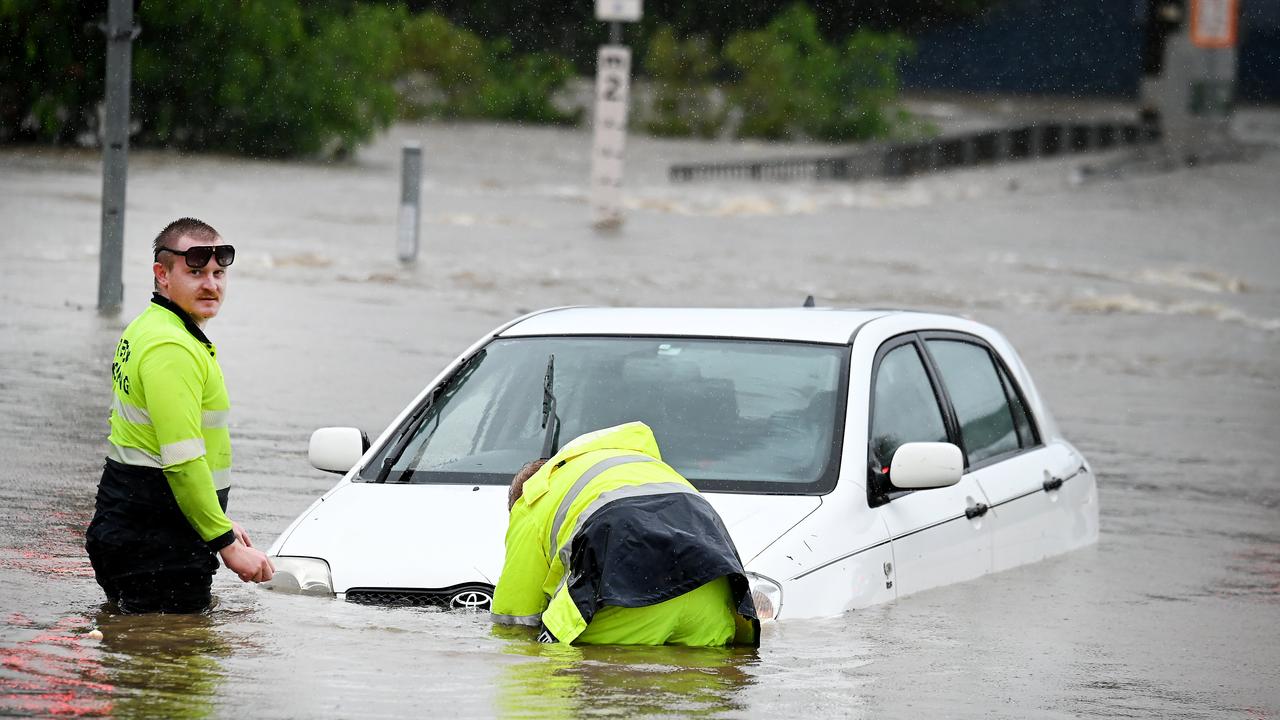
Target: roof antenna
(808,302)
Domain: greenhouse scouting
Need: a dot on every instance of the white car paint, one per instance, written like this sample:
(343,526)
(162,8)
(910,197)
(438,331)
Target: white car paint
(830,553)
(416,536)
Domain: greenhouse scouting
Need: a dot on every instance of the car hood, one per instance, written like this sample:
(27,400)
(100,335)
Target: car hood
(755,521)
(437,536)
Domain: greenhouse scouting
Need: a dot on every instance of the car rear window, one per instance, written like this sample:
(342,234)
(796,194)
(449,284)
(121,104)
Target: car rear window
(730,415)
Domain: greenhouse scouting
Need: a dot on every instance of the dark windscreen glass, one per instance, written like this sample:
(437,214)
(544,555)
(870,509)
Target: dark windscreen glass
(727,414)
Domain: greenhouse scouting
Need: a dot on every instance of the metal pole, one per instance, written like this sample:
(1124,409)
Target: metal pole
(115,153)
(615,33)
(410,201)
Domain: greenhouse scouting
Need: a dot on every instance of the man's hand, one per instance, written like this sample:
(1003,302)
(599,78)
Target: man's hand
(249,563)
(240,534)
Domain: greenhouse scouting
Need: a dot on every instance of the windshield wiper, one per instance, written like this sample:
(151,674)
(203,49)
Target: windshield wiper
(550,420)
(448,386)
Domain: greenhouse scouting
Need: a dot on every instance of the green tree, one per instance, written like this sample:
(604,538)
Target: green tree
(791,82)
(471,78)
(456,61)
(261,77)
(265,78)
(866,87)
(521,87)
(51,69)
(569,29)
(681,73)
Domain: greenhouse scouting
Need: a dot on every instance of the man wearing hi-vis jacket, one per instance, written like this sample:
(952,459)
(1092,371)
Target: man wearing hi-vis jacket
(160,514)
(608,545)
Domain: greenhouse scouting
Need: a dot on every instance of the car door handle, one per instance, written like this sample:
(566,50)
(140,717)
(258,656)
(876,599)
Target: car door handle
(1052,483)
(974,511)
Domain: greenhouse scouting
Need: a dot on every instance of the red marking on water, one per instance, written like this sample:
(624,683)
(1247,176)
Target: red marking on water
(46,563)
(64,704)
(1264,562)
(53,544)
(56,672)
(1255,573)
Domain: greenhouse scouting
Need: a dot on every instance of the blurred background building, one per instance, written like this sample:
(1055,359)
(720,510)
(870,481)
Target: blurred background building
(1080,47)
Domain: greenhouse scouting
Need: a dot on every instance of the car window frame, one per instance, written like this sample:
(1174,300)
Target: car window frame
(1013,392)
(1009,386)
(877,496)
(950,419)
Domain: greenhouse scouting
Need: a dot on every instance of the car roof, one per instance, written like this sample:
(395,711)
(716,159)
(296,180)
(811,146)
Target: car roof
(820,325)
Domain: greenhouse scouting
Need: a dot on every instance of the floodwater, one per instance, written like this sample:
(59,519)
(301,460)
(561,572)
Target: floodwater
(1146,305)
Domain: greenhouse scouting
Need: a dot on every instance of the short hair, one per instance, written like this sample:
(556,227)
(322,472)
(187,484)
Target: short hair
(199,230)
(517,482)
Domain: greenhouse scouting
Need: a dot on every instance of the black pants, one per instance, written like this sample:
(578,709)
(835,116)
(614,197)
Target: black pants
(145,554)
(171,591)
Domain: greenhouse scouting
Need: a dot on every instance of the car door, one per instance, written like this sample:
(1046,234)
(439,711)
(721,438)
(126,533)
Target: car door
(1021,476)
(938,536)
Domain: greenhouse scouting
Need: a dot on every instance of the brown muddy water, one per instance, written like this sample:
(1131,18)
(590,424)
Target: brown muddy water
(1146,306)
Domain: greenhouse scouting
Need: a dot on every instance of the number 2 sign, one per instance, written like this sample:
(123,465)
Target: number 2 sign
(613,88)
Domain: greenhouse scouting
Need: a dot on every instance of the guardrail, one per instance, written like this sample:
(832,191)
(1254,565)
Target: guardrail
(903,159)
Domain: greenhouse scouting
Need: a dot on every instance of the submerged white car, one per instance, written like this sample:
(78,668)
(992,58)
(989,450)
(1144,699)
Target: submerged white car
(855,456)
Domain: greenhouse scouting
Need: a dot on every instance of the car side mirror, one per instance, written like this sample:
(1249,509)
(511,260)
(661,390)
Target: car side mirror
(337,449)
(923,465)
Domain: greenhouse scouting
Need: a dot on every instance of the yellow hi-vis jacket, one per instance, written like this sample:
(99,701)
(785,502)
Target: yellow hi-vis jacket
(170,412)
(605,523)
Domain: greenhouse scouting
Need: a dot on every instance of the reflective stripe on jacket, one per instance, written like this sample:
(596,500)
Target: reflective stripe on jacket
(170,412)
(137,527)
(606,523)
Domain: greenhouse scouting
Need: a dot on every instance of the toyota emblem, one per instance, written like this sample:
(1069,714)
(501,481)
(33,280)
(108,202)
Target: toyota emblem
(470,600)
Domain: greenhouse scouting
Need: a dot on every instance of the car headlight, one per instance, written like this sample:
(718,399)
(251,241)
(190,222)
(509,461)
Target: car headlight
(304,575)
(767,596)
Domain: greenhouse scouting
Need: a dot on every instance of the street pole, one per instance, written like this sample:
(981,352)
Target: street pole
(115,153)
(410,201)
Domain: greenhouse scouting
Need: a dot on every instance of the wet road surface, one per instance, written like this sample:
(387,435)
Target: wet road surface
(1147,308)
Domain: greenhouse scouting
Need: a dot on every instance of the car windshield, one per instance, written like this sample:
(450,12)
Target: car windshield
(730,415)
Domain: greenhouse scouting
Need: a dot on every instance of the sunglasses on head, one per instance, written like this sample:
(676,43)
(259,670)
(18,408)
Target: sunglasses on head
(198,256)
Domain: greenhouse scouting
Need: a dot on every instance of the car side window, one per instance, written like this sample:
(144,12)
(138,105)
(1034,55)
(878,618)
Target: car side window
(978,396)
(1021,415)
(904,408)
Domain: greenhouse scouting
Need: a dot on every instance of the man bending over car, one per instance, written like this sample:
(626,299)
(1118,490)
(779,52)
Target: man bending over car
(608,545)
